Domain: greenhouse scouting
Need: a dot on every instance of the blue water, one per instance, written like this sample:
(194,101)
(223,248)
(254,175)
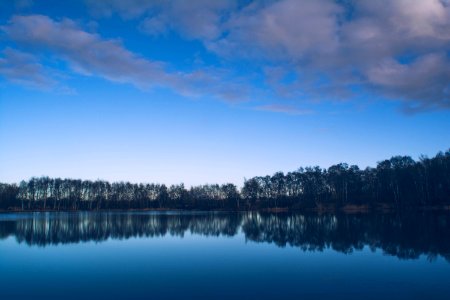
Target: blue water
(223,255)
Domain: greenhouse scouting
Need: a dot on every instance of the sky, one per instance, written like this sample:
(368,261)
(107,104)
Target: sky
(218,91)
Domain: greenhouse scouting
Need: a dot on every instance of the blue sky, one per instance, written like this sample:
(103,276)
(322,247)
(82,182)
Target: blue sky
(216,91)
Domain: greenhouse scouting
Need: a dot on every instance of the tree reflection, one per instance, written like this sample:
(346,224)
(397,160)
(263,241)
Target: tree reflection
(405,236)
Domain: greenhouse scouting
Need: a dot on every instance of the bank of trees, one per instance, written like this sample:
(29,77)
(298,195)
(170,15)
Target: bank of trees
(399,182)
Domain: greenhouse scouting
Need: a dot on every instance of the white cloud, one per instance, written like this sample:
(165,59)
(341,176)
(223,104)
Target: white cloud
(193,19)
(89,54)
(334,47)
(397,49)
(331,46)
(286,109)
(23,68)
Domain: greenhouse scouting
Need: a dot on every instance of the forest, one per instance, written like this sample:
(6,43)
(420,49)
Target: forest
(396,183)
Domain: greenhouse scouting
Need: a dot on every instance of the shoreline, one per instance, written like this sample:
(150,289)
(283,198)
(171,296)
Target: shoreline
(347,209)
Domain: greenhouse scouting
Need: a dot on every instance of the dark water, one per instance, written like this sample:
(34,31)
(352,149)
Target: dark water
(223,256)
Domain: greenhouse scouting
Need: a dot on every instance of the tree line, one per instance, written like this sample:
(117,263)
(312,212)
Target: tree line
(399,183)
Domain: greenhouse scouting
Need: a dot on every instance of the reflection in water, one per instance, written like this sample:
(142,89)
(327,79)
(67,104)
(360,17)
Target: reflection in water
(406,236)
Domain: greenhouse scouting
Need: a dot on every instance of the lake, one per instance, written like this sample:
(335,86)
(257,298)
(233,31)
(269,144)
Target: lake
(248,255)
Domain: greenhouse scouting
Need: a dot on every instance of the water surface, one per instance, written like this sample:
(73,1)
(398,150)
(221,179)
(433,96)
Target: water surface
(173,255)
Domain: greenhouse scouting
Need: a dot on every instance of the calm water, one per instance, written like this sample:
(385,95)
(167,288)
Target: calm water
(223,255)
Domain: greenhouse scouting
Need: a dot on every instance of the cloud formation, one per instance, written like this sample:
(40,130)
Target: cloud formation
(24,68)
(397,49)
(286,109)
(89,54)
(193,19)
(304,50)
